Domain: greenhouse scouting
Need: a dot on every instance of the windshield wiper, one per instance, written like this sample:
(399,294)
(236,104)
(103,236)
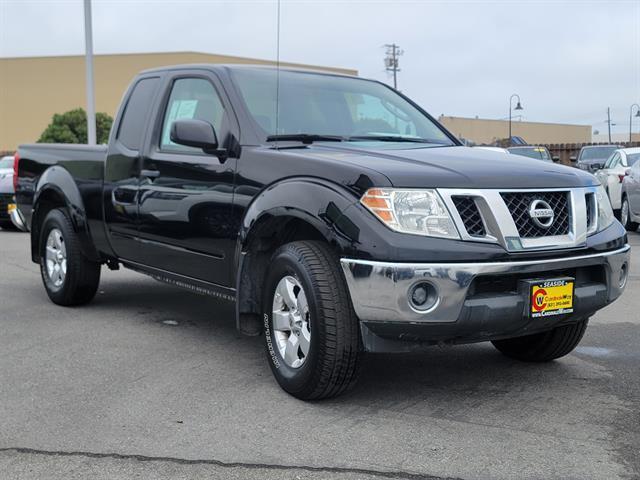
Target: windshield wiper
(394,138)
(306,138)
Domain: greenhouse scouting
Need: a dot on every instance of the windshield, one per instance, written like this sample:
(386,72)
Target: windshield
(538,153)
(596,153)
(329,105)
(6,162)
(632,159)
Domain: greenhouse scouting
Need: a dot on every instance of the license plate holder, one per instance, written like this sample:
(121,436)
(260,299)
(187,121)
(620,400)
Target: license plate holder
(549,297)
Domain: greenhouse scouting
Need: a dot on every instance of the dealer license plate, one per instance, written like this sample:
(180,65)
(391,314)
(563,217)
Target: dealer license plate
(550,297)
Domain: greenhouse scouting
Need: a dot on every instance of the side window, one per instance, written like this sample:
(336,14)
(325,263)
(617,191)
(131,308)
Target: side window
(191,98)
(616,160)
(133,123)
(611,162)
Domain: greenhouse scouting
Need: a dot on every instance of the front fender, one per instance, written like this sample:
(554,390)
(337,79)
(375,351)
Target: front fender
(57,186)
(316,201)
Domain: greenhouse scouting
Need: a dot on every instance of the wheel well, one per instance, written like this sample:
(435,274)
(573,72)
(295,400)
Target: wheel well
(265,239)
(47,201)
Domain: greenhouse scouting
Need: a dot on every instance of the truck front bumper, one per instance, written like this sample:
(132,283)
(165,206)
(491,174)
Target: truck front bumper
(470,302)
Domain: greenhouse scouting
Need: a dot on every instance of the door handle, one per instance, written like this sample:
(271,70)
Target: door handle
(150,173)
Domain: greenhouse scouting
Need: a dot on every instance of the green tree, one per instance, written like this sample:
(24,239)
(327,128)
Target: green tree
(71,127)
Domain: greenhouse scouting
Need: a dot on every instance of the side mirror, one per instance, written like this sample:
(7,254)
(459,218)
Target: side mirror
(573,158)
(194,133)
(555,158)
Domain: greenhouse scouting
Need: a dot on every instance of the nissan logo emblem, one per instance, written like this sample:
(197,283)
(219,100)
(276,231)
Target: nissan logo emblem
(541,213)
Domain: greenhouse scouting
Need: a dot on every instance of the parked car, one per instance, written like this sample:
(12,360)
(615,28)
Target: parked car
(593,157)
(612,174)
(353,221)
(539,153)
(630,210)
(6,192)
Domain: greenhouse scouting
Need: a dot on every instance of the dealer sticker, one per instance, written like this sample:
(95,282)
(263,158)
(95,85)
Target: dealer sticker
(551,297)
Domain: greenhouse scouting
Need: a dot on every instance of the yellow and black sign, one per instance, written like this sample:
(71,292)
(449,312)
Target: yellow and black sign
(551,297)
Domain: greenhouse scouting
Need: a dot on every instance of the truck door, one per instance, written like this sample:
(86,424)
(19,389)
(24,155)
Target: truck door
(186,196)
(121,176)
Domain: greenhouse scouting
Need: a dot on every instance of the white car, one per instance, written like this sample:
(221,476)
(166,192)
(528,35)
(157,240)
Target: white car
(614,171)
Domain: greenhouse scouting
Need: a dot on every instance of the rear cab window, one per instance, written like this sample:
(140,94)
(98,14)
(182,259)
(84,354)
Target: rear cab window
(133,124)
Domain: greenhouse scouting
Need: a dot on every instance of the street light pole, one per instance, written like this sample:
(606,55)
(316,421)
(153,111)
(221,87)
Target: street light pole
(631,117)
(88,42)
(518,107)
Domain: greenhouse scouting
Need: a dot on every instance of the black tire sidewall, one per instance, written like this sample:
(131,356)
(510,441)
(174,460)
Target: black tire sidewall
(291,379)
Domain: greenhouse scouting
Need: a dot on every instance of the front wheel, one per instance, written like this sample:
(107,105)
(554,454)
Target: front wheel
(545,346)
(69,278)
(311,331)
(625,216)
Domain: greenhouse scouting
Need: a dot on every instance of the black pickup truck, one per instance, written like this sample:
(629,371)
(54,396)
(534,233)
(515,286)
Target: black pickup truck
(337,214)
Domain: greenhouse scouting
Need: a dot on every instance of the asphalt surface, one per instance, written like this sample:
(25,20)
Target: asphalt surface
(152,382)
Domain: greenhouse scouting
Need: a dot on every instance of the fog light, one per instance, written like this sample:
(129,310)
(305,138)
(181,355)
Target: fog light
(10,208)
(423,296)
(624,274)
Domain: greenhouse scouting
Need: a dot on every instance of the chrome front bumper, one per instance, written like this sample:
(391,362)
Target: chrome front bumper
(380,290)
(17,219)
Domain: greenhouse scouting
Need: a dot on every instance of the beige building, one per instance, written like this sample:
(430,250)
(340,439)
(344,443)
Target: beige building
(32,89)
(485,131)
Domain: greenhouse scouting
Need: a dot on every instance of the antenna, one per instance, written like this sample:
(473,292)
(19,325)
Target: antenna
(278,72)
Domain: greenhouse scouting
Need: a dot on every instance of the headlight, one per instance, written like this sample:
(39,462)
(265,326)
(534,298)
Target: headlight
(605,212)
(419,212)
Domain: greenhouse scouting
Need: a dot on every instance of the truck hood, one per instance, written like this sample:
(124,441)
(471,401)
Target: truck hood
(420,166)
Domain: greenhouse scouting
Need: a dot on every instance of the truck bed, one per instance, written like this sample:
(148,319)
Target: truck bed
(85,163)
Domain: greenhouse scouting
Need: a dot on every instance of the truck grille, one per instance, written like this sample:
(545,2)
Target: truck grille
(519,203)
(470,215)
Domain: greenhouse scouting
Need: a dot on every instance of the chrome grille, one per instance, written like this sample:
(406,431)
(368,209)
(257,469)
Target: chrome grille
(518,204)
(470,215)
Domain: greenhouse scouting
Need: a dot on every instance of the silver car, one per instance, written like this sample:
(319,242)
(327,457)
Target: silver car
(630,211)
(614,171)
(6,194)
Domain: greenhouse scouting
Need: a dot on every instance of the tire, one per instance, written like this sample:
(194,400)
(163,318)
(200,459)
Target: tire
(80,282)
(330,365)
(545,346)
(8,226)
(625,216)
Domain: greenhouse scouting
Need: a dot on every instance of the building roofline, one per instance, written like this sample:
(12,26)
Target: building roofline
(258,61)
(516,121)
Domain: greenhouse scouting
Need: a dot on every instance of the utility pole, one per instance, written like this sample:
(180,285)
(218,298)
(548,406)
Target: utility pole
(631,119)
(88,45)
(609,122)
(391,61)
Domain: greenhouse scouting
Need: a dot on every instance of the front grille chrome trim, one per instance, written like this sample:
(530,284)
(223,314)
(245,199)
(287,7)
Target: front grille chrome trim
(501,228)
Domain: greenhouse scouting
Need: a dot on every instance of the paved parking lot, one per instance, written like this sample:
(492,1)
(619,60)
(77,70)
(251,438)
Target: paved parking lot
(153,382)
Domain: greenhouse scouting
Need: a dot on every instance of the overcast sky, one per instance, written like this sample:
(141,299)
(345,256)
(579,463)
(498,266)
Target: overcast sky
(568,60)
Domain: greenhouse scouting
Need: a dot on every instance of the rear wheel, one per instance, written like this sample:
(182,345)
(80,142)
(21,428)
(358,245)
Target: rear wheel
(68,277)
(625,216)
(545,346)
(311,331)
